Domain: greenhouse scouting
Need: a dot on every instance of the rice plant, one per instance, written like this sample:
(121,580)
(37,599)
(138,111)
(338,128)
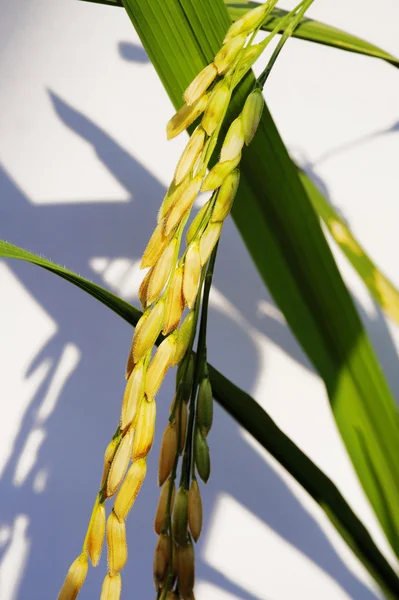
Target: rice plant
(235,155)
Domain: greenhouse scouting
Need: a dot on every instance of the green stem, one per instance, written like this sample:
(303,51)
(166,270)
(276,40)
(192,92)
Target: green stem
(200,367)
(167,525)
(295,17)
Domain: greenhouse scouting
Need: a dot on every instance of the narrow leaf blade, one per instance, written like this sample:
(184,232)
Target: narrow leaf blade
(119,306)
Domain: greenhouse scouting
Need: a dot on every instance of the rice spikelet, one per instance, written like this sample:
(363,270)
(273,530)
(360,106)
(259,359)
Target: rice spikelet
(112,587)
(96,535)
(180,516)
(144,435)
(174,303)
(162,505)
(200,84)
(157,244)
(184,335)
(130,488)
(195,510)
(167,453)
(161,271)
(75,579)
(182,204)
(208,240)
(133,395)
(116,542)
(185,116)
(161,362)
(216,108)
(119,463)
(192,273)
(145,336)
(185,569)
(190,154)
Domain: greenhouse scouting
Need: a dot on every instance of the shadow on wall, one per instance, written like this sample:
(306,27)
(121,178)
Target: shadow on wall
(133,53)
(360,141)
(81,424)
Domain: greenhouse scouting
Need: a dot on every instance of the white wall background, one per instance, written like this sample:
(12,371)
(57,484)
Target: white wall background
(85,163)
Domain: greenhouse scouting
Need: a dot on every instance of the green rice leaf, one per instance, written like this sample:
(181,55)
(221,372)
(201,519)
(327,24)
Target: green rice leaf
(283,235)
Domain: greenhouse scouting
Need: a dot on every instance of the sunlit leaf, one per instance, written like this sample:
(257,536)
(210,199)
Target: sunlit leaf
(284,237)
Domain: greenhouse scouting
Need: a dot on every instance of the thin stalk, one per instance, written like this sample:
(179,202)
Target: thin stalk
(167,525)
(294,21)
(200,366)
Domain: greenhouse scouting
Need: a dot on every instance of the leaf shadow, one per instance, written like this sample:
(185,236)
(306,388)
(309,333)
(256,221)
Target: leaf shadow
(133,53)
(78,430)
(353,144)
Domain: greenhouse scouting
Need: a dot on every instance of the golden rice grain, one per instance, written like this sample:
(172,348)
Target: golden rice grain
(116,542)
(112,587)
(167,453)
(130,488)
(96,534)
(162,505)
(75,579)
(194,510)
(120,463)
(144,435)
